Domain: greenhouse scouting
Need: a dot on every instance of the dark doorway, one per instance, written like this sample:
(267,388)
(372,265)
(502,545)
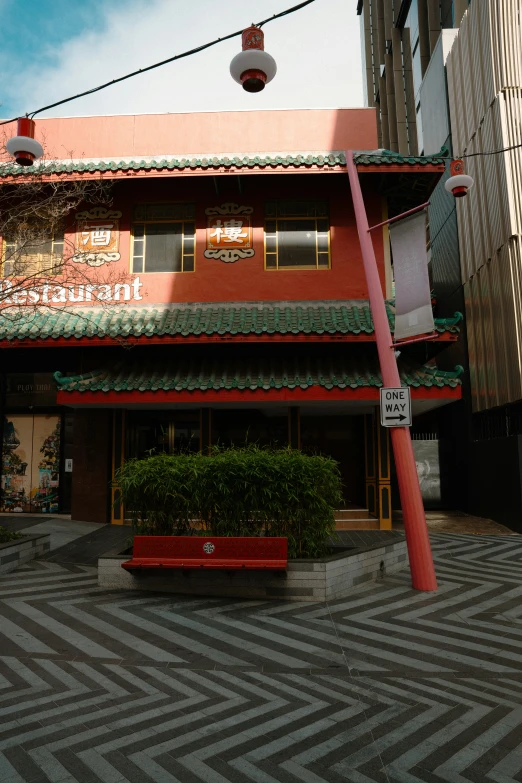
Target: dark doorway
(342,438)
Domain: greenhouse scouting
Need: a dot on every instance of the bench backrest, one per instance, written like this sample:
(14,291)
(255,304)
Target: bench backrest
(213,548)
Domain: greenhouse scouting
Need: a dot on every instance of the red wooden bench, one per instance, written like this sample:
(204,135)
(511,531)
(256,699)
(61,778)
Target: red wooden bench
(185,552)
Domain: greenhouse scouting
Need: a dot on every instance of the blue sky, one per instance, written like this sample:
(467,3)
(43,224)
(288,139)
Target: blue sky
(50,49)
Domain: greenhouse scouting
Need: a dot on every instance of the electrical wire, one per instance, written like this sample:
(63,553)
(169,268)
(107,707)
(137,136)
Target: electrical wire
(201,48)
(196,50)
(456,157)
(453,211)
(492,152)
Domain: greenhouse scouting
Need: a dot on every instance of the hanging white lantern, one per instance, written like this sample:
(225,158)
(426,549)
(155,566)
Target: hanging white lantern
(253,67)
(24,148)
(459,182)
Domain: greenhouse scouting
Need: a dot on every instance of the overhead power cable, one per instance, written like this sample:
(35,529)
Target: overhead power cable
(190,52)
(387,155)
(492,152)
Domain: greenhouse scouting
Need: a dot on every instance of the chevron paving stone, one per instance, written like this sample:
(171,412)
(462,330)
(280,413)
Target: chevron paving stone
(386,685)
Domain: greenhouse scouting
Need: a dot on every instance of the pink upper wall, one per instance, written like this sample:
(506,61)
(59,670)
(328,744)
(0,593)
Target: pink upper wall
(142,135)
(247,279)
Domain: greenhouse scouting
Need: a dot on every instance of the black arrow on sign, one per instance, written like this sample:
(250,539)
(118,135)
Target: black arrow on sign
(391,418)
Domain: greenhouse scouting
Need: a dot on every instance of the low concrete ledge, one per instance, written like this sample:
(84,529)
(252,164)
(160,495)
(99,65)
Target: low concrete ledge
(324,579)
(16,553)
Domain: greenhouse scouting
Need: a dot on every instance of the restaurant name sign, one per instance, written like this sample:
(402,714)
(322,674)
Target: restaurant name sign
(46,292)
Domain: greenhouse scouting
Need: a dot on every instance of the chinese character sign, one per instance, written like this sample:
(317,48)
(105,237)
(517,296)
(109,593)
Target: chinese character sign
(229,232)
(236,232)
(97,236)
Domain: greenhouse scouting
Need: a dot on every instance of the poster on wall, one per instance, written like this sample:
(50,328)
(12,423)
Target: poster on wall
(428,469)
(30,463)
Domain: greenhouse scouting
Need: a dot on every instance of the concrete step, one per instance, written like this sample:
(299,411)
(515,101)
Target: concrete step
(357,524)
(351,513)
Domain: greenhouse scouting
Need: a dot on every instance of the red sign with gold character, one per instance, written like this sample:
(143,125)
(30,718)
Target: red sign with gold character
(229,232)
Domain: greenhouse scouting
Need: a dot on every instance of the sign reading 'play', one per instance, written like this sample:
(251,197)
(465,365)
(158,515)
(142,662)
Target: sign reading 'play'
(395,407)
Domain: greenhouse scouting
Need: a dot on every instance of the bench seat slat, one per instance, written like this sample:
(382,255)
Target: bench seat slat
(221,552)
(140,563)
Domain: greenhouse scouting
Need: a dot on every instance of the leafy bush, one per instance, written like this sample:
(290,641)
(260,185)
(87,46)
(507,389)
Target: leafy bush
(236,492)
(7,535)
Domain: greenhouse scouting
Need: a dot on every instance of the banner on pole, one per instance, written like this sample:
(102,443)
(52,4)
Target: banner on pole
(413,312)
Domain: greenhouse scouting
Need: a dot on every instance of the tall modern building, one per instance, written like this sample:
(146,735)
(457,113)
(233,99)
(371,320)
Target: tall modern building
(448,73)
(400,38)
(484,75)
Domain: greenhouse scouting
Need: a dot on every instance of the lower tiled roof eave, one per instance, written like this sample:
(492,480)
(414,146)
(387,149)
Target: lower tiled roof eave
(216,396)
(319,378)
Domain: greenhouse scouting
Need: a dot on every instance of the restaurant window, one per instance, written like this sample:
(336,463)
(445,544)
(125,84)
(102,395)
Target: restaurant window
(297,235)
(164,238)
(162,432)
(33,256)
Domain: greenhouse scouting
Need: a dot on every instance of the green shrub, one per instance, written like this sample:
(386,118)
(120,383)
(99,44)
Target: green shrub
(8,535)
(235,492)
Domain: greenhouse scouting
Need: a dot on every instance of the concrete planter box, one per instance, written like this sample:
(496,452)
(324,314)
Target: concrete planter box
(15,553)
(305,580)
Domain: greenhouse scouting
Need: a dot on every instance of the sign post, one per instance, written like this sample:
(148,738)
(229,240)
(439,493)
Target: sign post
(417,538)
(396,407)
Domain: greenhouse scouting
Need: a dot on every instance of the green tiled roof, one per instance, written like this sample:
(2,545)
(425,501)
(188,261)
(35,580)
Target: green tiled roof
(250,318)
(387,157)
(253,374)
(321,160)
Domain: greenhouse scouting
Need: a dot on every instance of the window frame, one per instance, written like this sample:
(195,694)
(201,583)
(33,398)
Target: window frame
(39,256)
(277,218)
(146,221)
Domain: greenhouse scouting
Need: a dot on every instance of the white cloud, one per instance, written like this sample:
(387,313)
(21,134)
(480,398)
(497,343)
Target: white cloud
(317,50)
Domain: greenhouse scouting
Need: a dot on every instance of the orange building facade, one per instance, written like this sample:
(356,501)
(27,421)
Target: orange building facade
(219,296)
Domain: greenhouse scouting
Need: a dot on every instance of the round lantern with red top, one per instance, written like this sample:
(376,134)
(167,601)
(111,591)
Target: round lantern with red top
(253,67)
(24,148)
(459,182)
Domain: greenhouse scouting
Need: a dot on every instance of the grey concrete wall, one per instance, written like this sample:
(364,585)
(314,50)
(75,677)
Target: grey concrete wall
(305,580)
(15,553)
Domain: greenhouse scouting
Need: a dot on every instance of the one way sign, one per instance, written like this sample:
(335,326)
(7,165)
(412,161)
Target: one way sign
(396,407)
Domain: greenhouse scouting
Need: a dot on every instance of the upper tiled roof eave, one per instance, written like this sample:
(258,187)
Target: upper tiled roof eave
(316,160)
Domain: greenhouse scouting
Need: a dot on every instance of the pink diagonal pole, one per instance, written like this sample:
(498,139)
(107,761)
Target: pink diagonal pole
(417,539)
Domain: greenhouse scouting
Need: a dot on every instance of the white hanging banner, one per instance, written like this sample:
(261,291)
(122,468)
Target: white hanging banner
(413,312)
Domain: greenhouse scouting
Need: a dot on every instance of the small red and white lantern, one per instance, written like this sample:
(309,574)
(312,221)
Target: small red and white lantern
(459,182)
(253,67)
(24,148)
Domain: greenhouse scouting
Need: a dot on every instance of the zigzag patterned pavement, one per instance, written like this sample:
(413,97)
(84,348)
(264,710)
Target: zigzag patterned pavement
(387,685)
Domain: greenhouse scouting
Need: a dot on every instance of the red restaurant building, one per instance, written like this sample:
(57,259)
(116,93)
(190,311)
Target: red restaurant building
(236,311)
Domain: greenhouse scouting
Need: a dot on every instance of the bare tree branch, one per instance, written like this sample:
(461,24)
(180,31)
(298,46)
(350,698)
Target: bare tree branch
(42,269)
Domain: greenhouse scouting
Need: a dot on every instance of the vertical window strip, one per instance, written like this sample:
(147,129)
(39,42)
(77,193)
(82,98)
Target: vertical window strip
(316,211)
(188,238)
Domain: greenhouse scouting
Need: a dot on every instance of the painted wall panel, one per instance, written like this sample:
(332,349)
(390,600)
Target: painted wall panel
(31,463)
(246,279)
